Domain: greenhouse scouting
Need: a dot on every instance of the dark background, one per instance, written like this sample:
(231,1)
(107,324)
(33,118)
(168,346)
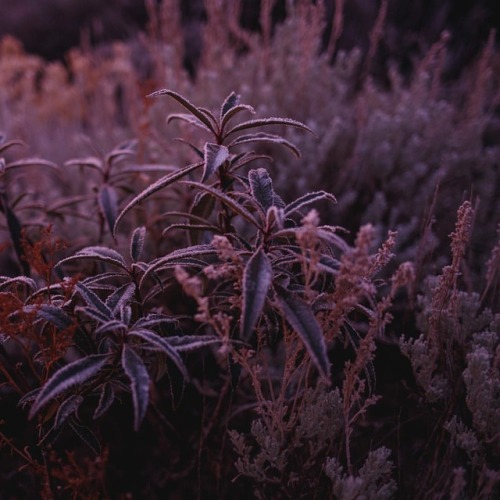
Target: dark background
(50,27)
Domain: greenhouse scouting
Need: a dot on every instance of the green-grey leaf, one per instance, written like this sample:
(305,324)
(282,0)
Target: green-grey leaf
(214,156)
(301,318)
(257,278)
(139,383)
(75,373)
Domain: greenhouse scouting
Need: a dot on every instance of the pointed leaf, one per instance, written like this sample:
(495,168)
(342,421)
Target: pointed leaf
(226,200)
(67,408)
(260,122)
(191,342)
(232,112)
(106,399)
(104,254)
(261,187)
(307,199)
(263,137)
(139,383)
(192,120)
(159,184)
(94,301)
(161,344)
(301,318)
(54,315)
(257,278)
(184,102)
(229,103)
(214,156)
(108,203)
(75,373)
(121,296)
(137,243)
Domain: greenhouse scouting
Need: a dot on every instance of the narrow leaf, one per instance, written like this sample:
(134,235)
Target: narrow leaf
(256,281)
(263,137)
(67,408)
(106,399)
(191,342)
(159,184)
(226,200)
(103,254)
(301,318)
(121,296)
(137,243)
(261,187)
(108,204)
(94,301)
(54,315)
(233,111)
(75,373)
(307,199)
(214,156)
(139,383)
(192,120)
(269,121)
(184,102)
(229,103)
(161,344)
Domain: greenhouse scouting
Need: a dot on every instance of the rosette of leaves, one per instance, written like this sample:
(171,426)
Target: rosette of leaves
(267,281)
(119,343)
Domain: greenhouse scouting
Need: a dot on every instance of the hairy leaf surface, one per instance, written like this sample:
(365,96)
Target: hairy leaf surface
(75,373)
(257,278)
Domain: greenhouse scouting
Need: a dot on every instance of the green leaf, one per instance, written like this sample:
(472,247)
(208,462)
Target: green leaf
(76,373)
(139,383)
(188,105)
(137,243)
(108,204)
(214,156)
(301,318)
(257,278)
(159,184)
